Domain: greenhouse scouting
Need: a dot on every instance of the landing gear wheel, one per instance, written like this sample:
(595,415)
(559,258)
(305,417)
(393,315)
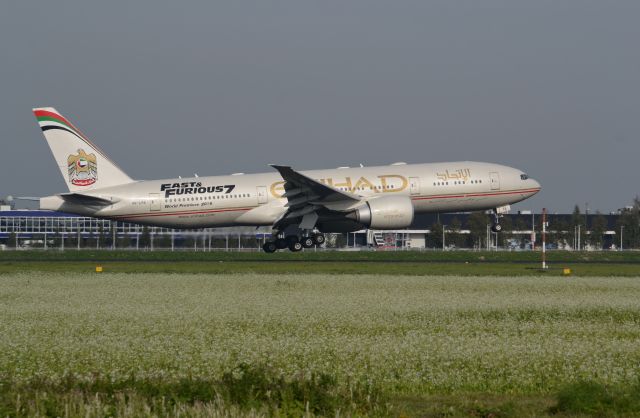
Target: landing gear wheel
(295,247)
(307,242)
(291,239)
(496,228)
(269,247)
(318,239)
(281,244)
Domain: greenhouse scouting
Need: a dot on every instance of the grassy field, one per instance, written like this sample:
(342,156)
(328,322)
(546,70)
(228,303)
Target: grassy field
(371,345)
(415,263)
(616,257)
(334,268)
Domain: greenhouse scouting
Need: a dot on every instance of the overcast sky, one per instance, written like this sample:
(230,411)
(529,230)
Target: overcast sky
(211,87)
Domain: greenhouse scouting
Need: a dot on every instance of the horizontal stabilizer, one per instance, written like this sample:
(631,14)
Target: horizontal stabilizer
(36,199)
(85,199)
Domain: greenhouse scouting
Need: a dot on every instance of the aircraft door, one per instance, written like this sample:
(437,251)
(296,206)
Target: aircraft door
(154,202)
(414,185)
(261,191)
(494,178)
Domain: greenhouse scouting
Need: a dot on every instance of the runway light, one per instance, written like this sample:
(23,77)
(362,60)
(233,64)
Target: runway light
(566,271)
(98,269)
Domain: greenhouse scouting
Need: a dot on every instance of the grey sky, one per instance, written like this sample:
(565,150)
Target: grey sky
(172,88)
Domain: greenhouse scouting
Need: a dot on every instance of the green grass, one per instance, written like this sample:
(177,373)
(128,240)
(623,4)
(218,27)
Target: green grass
(325,256)
(244,388)
(377,345)
(593,398)
(465,263)
(428,268)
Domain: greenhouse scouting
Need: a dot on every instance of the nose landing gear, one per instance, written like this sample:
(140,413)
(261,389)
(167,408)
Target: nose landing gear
(497,214)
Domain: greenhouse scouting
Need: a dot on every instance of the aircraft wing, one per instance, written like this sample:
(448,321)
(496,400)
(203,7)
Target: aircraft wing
(305,196)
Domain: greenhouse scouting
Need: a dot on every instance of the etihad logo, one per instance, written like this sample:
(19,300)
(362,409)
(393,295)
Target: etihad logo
(83,168)
(389,183)
(462,174)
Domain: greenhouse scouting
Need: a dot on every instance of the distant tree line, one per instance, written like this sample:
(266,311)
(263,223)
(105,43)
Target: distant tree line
(589,230)
(476,223)
(629,225)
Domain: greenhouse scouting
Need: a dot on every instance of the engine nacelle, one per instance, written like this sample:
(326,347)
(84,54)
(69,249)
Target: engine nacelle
(388,212)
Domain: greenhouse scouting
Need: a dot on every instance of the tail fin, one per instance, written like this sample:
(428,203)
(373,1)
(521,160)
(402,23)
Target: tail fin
(83,165)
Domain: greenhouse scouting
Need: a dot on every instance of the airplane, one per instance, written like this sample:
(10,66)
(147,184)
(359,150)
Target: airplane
(299,206)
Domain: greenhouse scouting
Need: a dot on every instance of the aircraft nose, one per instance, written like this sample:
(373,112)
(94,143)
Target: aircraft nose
(535,185)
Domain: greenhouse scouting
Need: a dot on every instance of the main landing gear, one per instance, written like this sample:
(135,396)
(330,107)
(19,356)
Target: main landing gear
(293,243)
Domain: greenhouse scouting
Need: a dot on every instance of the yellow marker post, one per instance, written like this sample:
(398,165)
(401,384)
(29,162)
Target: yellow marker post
(98,269)
(566,271)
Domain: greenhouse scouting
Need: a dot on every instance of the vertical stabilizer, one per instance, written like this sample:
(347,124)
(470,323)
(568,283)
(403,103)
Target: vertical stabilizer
(83,165)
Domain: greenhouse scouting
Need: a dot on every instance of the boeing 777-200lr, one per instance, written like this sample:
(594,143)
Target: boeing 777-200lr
(299,205)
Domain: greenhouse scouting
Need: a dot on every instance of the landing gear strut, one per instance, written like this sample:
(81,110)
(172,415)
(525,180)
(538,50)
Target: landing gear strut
(496,227)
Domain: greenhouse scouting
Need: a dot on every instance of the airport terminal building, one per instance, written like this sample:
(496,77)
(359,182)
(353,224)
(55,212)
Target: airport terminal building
(47,229)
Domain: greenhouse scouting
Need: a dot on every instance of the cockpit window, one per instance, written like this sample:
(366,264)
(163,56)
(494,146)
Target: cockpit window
(523,176)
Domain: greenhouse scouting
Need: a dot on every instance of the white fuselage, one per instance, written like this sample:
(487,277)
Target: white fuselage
(256,199)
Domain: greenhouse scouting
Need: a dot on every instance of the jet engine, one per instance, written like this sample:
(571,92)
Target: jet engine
(388,212)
